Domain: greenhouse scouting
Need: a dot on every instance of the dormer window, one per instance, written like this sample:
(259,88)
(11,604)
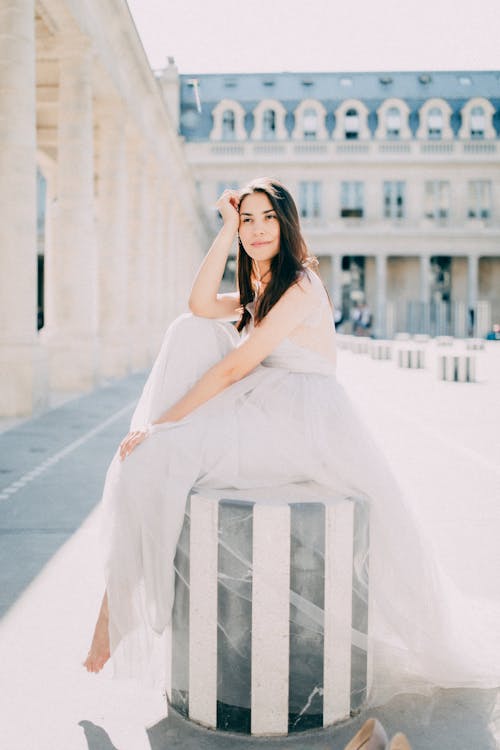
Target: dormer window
(435,123)
(269,125)
(351,124)
(228,125)
(269,121)
(393,123)
(310,124)
(477,122)
(393,115)
(228,121)
(310,121)
(477,119)
(434,120)
(351,121)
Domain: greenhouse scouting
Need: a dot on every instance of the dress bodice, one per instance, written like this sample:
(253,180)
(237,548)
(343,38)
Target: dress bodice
(291,355)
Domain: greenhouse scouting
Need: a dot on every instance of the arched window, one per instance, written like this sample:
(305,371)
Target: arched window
(228,125)
(393,123)
(269,124)
(477,122)
(310,124)
(435,123)
(351,124)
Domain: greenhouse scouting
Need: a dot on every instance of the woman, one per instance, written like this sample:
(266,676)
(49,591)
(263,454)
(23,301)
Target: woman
(259,406)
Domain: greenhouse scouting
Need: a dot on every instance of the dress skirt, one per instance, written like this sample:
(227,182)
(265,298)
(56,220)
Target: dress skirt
(279,433)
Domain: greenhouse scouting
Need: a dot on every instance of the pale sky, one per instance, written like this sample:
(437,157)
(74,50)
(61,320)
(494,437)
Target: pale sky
(219,36)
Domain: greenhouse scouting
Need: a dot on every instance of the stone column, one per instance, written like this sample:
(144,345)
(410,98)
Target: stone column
(171,251)
(162,254)
(472,290)
(138,258)
(472,280)
(425,293)
(381,295)
(336,280)
(21,375)
(71,271)
(112,237)
(155,264)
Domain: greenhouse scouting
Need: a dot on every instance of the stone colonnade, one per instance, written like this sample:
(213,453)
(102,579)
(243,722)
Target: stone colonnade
(381,273)
(124,231)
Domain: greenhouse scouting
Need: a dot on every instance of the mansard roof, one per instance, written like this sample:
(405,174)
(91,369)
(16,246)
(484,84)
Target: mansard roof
(414,87)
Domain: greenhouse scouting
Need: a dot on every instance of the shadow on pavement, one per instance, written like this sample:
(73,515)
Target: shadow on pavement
(46,509)
(97,738)
(446,720)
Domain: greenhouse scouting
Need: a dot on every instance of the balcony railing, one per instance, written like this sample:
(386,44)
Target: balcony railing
(321,151)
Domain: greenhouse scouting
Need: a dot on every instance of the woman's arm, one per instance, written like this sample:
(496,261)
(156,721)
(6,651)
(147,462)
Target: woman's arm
(204,299)
(290,310)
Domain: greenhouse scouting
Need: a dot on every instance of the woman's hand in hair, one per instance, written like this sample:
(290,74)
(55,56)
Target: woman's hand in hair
(227,206)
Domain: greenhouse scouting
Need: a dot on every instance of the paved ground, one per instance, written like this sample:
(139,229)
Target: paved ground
(442,440)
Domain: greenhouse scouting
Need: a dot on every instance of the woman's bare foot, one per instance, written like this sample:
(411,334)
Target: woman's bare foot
(99,649)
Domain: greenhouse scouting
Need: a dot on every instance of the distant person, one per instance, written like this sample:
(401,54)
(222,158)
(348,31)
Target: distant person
(365,319)
(338,318)
(494,334)
(355,316)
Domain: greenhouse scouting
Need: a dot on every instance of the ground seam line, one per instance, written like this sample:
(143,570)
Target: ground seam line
(47,463)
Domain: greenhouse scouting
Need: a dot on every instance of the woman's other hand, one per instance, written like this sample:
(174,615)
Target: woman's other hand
(227,206)
(131,441)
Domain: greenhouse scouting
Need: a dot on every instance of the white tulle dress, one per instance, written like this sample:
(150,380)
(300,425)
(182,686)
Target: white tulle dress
(287,427)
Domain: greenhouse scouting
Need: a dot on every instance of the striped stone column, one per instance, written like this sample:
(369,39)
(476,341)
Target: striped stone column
(270,619)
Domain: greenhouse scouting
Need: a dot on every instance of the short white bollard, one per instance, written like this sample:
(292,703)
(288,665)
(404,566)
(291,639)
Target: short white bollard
(402,336)
(344,340)
(444,340)
(270,619)
(381,349)
(458,368)
(474,344)
(360,345)
(411,358)
(421,338)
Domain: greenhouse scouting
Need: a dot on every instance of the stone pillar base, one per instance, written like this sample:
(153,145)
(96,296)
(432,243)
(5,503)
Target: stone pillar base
(24,379)
(73,364)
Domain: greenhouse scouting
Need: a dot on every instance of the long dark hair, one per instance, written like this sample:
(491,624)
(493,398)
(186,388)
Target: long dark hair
(290,261)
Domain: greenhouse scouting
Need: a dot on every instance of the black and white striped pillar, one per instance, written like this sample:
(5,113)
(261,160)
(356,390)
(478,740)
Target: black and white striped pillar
(270,619)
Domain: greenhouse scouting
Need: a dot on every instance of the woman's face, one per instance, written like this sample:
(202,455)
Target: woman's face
(259,228)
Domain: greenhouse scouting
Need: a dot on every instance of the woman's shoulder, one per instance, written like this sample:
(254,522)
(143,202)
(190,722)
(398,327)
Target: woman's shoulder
(309,281)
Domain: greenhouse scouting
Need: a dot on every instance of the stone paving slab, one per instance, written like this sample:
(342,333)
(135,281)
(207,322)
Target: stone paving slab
(51,580)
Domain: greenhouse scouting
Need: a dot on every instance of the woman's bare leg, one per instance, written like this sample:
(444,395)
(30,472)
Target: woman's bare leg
(99,649)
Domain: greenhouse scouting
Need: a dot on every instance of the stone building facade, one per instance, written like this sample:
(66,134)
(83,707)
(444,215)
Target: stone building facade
(397,178)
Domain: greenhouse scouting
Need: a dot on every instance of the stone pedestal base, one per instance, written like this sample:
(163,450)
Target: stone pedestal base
(23,379)
(270,618)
